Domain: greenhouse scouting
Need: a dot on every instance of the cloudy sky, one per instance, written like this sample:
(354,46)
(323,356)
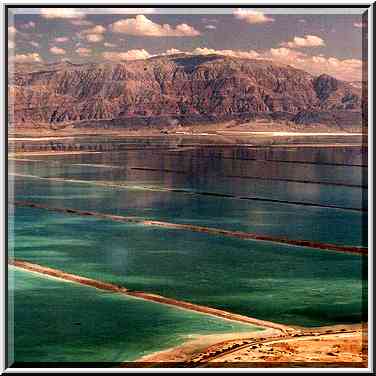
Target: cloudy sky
(318,43)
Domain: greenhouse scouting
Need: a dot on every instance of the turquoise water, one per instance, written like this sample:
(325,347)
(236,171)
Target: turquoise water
(57,321)
(285,284)
(329,225)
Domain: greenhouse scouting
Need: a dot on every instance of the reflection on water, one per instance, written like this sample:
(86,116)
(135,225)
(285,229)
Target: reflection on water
(185,181)
(138,181)
(333,149)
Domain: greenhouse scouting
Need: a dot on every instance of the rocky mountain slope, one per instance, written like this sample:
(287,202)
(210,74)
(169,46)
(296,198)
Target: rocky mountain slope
(182,89)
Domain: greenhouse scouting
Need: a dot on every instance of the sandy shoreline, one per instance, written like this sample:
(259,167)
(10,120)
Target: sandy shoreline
(225,131)
(345,345)
(68,277)
(37,153)
(201,343)
(249,348)
(200,229)
(179,133)
(292,134)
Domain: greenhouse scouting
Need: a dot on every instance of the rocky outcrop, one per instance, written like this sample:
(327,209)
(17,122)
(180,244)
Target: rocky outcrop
(206,88)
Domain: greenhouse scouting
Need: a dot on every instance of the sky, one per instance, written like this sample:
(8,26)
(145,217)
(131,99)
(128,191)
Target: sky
(318,43)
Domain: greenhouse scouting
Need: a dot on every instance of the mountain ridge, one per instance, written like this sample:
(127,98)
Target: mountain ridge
(202,88)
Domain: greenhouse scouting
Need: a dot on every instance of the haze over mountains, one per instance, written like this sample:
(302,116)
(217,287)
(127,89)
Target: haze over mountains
(180,89)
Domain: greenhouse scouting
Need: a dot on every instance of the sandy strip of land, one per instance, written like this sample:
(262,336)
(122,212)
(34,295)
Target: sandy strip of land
(293,134)
(201,229)
(39,138)
(115,167)
(158,169)
(295,181)
(99,166)
(14,157)
(31,160)
(60,274)
(69,164)
(55,153)
(316,145)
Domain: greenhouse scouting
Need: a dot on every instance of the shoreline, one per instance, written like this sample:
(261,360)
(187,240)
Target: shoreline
(200,343)
(105,286)
(203,350)
(233,348)
(215,132)
(82,143)
(31,136)
(358,250)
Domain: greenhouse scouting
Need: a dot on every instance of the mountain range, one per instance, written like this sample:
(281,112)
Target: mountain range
(180,89)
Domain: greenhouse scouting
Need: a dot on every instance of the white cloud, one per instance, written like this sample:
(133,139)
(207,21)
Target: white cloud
(127,55)
(306,41)
(57,51)
(346,69)
(61,39)
(28,25)
(109,45)
(94,34)
(210,27)
(141,25)
(285,53)
(83,52)
(27,58)
(94,38)
(11,44)
(302,20)
(234,53)
(210,51)
(61,13)
(80,22)
(252,16)
(97,29)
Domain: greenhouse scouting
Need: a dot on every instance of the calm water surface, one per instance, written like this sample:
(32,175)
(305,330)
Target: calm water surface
(63,322)
(286,284)
(143,193)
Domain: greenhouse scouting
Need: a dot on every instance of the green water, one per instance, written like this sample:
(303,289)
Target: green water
(282,220)
(285,284)
(57,321)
